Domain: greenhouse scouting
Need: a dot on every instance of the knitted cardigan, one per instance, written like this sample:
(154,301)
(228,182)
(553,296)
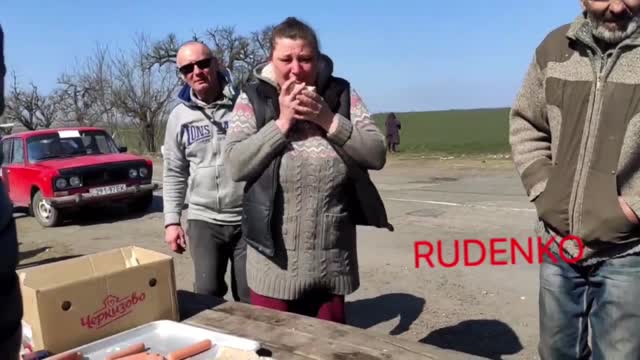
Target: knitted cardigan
(314,236)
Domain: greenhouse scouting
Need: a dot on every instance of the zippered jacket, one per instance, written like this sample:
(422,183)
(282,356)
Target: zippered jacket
(194,144)
(575,131)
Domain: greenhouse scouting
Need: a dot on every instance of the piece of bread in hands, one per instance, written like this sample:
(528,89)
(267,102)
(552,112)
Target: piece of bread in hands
(227,353)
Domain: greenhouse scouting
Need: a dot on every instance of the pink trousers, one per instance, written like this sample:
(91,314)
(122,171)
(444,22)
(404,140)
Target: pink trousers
(322,306)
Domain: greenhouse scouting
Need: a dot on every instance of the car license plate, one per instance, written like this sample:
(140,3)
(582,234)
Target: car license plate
(106,190)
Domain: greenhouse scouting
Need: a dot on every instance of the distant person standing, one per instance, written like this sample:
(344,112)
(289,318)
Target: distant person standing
(194,144)
(10,297)
(393,132)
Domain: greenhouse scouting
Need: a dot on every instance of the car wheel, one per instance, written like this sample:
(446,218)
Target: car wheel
(47,215)
(142,203)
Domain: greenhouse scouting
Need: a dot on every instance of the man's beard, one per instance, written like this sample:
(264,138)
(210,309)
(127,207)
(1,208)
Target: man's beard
(601,32)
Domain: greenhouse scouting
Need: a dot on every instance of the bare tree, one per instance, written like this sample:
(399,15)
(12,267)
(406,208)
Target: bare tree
(260,46)
(262,40)
(101,74)
(48,107)
(142,93)
(164,51)
(77,100)
(87,92)
(30,107)
(228,46)
(238,53)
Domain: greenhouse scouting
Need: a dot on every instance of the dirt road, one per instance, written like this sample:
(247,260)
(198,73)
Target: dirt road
(485,310)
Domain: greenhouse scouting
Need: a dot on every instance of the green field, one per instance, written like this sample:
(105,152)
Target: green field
(439,133)
(130,137)
(453,132)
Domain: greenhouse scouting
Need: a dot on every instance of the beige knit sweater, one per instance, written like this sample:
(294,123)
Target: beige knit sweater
(316,240)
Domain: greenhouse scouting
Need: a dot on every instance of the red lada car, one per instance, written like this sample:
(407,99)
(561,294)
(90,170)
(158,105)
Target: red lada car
(55,170)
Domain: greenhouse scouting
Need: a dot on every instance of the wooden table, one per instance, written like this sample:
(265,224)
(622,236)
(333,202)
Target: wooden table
(291,336)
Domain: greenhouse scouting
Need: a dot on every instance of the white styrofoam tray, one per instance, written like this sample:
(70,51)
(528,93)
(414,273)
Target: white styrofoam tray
(164,337)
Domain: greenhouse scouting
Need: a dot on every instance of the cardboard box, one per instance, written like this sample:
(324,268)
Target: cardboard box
(73,302)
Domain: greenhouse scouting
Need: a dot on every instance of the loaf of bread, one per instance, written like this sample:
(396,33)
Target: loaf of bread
(227,353)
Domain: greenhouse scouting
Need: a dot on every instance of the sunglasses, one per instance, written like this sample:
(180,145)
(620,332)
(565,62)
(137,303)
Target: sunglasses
(201,64)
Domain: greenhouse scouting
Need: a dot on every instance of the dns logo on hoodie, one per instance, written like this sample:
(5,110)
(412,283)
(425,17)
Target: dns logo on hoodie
(197,133)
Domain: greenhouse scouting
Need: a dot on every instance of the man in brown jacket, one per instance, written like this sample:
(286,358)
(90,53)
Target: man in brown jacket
(574,132)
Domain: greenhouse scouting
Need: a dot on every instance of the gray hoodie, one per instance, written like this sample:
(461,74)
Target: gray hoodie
(193,160)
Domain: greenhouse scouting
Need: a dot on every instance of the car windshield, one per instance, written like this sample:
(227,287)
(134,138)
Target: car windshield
(70,143)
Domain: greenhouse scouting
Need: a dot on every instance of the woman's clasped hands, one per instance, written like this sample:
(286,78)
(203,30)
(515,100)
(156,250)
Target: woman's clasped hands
(299,102)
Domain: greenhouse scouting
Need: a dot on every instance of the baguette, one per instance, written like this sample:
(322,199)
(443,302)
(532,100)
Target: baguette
(236,354)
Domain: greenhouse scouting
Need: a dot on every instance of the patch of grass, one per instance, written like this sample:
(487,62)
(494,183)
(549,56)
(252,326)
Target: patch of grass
(130,137)
(469,133)
(453,132)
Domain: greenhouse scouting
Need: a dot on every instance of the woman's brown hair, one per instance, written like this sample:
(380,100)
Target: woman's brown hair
(294,29)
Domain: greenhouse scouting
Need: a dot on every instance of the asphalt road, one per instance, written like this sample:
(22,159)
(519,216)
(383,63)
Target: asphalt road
(483,310)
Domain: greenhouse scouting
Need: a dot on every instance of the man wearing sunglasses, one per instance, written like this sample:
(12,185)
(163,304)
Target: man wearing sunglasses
(574,132)
(194,167)
(10,297)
